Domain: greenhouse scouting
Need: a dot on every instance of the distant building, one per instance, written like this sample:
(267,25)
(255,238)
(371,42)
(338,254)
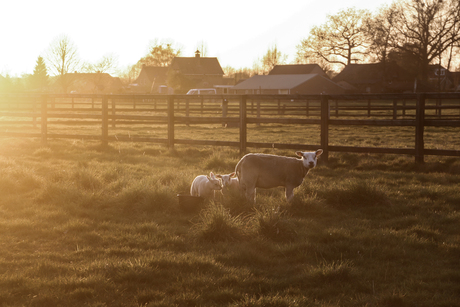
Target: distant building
(88,83)
(440,78)
(302,84)
(197,71)
(297,69)
(456,80)
(378,78)
(183,74)
(151,79)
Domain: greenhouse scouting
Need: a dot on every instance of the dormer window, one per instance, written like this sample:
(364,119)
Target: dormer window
(440,72)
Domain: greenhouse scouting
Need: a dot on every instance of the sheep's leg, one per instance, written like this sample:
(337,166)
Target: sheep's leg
(289,191)
(251,194)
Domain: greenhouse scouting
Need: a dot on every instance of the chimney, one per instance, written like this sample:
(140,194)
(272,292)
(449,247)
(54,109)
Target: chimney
(197,54)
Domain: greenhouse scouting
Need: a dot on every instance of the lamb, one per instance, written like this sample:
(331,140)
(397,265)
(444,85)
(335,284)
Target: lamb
(269,171)
(204,186)
(229,182)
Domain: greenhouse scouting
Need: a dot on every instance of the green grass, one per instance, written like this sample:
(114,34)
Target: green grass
(83,226)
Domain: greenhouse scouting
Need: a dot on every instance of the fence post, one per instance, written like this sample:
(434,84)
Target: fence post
(105,121)
(404,109)
(202,105)
(439,107)
(243,130)
(325,127)
(187,110)
(395,109)
(258,111)
(224,111)
(171,122)
(44,119)
(34,106)
(419,128)
(368,108)
(307,108)
(113,112)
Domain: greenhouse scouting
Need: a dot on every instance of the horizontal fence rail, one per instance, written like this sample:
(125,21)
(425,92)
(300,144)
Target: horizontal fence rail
(117,116)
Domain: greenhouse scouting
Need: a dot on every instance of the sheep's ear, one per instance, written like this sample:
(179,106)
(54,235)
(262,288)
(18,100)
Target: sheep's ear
(299,153)
(209,178)
(319,152)
(232,174)
(211,174)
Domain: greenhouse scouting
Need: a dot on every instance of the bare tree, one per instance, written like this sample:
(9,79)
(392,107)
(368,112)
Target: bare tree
(202,47)
(62,58)
(380,32)
(340,41)
(426,29)
(107,64)
(272,58)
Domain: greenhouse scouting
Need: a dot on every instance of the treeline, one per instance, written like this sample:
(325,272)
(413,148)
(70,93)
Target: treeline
(412,33)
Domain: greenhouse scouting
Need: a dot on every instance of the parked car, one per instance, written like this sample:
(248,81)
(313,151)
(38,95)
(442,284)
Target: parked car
(202,91)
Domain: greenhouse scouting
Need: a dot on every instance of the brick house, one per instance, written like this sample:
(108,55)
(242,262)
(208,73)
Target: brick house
(194,72)
(182,74)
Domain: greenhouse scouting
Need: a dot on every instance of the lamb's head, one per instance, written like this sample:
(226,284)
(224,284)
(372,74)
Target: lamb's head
(226,179)
(309,159)
(215,183)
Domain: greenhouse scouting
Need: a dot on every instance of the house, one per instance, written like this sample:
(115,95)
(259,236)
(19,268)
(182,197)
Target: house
(151,79)
(87,83)
(379,78)
(456,80)
(303,84)
(195,72)
(440,78)
(297,69)
(182,74)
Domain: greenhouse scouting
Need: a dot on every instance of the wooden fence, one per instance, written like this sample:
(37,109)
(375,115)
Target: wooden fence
(108,111)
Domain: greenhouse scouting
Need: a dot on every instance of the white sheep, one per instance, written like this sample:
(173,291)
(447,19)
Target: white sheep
(229,181)
(204,186)
(269,171)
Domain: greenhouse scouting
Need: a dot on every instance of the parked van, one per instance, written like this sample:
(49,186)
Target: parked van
(202,91)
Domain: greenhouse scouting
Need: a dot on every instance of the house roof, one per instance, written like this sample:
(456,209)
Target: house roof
(372,73)
(302,84)
(91,81)
(295,69)
(197,66)
(153,72)
(273,82)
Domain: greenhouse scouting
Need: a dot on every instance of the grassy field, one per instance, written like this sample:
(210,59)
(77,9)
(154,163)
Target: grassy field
(83,226)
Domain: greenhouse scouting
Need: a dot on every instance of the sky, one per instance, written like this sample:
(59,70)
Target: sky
(237,32)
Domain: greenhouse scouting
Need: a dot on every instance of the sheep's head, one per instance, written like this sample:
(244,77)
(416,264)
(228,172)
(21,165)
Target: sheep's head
(216,184)
(226,179)
(309,159)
